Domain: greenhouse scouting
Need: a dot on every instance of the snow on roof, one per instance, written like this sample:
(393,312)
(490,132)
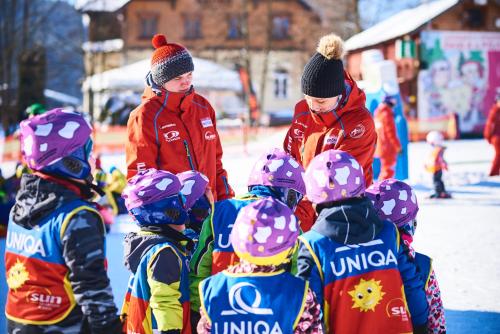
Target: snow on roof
(110,45)
(207,74)
(99,5)
(399,24)
(61,97)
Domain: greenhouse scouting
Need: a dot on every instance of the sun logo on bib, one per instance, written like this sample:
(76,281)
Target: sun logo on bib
(17,275)
(366,295)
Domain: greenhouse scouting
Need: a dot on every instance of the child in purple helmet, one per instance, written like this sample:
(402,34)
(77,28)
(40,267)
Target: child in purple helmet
(199,200)
(258,295)
(275,174)
(157,299)
(55,248)
(396,202)
(353,259)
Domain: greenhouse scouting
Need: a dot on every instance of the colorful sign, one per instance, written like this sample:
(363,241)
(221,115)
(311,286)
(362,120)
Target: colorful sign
(461,76)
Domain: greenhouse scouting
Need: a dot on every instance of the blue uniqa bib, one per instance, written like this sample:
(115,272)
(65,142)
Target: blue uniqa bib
(39,290)
(253,303)
(361,283)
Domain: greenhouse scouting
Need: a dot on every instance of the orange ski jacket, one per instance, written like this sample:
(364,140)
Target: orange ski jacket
(350,128)
(176,132)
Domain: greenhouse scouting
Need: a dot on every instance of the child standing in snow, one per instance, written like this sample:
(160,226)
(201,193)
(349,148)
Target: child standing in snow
(275,174)
(157,299)
(436,164)
(55,248)
(353,259)
(396,202)
(258,292)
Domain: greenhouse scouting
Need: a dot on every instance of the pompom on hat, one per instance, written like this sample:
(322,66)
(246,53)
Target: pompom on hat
(323,75)
(169,60)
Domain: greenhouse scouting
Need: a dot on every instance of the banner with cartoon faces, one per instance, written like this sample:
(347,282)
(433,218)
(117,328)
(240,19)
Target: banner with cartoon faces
(461,75)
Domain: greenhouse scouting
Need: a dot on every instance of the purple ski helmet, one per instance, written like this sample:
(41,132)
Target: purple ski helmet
(265,232)
(394,201)
(153,197)
(57,142)
(333,176)
(193,186)
(276,168)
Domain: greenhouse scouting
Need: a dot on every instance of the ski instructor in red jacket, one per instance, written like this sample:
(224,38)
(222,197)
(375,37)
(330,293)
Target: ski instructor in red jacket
(331,116)
(174,129)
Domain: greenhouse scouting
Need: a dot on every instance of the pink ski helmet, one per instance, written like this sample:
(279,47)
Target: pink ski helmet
(153,197)
(57,142)
(265,232)
(199,206)
(334,176)
(193,186)
(276,168)
(394,201)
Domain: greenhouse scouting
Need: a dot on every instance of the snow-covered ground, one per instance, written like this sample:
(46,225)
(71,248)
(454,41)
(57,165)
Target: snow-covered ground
(461,234)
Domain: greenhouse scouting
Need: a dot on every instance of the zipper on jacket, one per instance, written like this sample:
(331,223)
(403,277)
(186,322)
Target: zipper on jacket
(224,179)
(341,123)
(188,154)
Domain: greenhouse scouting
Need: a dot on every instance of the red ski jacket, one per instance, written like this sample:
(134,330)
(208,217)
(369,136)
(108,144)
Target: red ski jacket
(388,144)
(176,132)
(350,128)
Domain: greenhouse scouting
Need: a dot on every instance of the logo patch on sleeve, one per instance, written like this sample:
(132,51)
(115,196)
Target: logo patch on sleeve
(206,122)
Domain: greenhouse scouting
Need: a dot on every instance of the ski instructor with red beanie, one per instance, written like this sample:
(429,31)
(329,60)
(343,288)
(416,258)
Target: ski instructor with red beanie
(173,129)
(332,115)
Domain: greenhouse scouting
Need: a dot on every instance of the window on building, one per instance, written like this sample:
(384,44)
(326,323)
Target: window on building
(148,24)
(234,27)
(192,27)
(281,80)
(281,27)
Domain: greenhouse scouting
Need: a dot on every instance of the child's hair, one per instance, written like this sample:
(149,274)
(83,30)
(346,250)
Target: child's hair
(334,176)
(396,202)
(265,232)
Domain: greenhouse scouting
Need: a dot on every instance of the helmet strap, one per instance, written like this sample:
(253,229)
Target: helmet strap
(167,231)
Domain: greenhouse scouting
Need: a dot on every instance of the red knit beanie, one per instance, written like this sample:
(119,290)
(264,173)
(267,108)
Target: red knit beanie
(169,60)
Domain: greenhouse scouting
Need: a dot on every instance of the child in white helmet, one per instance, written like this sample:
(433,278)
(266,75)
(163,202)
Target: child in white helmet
(436,164)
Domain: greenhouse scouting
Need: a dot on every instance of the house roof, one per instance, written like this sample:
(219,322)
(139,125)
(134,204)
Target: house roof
(99,5)
(207,75)
(402,23)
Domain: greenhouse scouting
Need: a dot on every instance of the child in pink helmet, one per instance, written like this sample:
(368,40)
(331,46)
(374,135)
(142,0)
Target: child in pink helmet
(258,295)
(275,174)
(157,299)
(353,260)
(199,200)
(396,202)
(55,257)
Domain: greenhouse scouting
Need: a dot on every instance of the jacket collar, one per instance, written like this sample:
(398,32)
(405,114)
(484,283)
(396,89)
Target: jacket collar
(352,99)
(174,102)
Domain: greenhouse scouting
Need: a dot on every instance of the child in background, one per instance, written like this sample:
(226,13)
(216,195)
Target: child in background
(258,292)
(58,282)
(396,202)
(436,164)
(157,299)
(353,259)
